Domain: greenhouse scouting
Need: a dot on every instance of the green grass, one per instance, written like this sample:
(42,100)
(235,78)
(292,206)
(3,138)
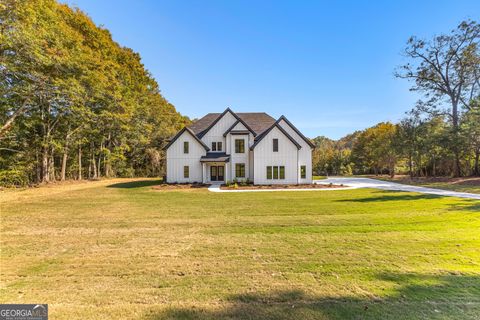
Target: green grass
(319,177)
(119,249)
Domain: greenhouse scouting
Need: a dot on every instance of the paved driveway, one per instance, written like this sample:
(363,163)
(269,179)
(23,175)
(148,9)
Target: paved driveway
(386,185)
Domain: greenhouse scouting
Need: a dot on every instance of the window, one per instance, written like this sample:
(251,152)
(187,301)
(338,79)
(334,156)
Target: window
(186,171)
(185,147)
(269,172)
(217,146)
(239,146)
(240,170)
(275,145)
(275,172)
(303,172)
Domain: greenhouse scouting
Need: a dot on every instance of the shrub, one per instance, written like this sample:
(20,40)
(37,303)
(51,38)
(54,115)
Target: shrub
(13,178)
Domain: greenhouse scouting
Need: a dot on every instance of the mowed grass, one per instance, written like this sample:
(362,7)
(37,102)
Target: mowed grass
(121,250)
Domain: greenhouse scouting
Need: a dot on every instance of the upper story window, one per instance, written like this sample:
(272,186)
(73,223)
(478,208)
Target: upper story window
(217,146)
(239,146)
(185,147)
(275,145)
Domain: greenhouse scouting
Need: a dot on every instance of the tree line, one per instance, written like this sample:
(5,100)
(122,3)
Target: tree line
(440,135)
(74,103)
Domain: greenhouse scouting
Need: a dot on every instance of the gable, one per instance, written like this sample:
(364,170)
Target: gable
(219,126)
(294,132)
(285,144)
(191,136)
(275,127)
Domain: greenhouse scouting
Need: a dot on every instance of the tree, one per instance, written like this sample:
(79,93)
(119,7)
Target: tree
(71,97)
(471,131)
(447,71)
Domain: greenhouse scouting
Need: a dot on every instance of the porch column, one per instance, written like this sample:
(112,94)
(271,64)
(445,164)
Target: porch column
(203,172)
(227,172)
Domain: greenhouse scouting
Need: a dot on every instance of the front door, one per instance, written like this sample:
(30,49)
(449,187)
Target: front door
(216,173)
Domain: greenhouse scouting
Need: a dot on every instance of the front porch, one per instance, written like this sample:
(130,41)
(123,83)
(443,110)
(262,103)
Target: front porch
(215,167)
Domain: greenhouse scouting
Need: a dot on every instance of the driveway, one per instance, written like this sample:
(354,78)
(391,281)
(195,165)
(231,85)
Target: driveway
(386,185)
(356,183)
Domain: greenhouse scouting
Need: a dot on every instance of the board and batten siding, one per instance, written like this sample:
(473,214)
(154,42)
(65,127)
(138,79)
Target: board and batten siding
(304,154)
(264,156)
(228,138)
(239,157)
(215,133)
(176,160)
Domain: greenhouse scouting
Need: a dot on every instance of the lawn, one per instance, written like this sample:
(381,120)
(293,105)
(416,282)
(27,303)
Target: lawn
(119,249)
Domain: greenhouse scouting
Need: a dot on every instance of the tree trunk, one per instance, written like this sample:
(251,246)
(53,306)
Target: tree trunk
(64,158)
(64,164)
(79,162)
(94,167)
(45,177)
(6,126)
(99,166)
(38,167)
(51,167)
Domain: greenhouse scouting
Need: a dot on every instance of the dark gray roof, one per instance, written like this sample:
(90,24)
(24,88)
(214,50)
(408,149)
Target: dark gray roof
(203,123)
(180,133)
(259,123)
(255,121)
(215,156)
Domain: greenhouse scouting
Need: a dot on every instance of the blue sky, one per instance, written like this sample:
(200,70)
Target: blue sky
(326,65)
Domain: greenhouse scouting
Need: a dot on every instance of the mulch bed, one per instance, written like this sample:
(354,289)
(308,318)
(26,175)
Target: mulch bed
(283,186)
(177,186)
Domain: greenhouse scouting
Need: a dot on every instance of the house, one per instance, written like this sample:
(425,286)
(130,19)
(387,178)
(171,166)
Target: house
(230,146)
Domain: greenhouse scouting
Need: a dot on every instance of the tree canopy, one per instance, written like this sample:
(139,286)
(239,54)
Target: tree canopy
(73,102)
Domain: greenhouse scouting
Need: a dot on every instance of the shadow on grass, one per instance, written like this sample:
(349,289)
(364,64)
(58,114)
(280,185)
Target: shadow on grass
(135,184)
(416,296)
(392,196)
(469,205)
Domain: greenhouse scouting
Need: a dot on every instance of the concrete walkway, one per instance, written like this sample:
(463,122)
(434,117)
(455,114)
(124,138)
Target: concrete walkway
(356,183)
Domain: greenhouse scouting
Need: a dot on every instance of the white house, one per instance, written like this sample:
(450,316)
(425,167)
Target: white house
(250,146)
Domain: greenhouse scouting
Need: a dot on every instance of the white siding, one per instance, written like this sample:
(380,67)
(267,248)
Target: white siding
(176,160)
(216,132)
(286,156)
(228,140)
(239,157)
(304,154)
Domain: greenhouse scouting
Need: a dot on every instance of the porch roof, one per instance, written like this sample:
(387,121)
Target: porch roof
(215,157)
